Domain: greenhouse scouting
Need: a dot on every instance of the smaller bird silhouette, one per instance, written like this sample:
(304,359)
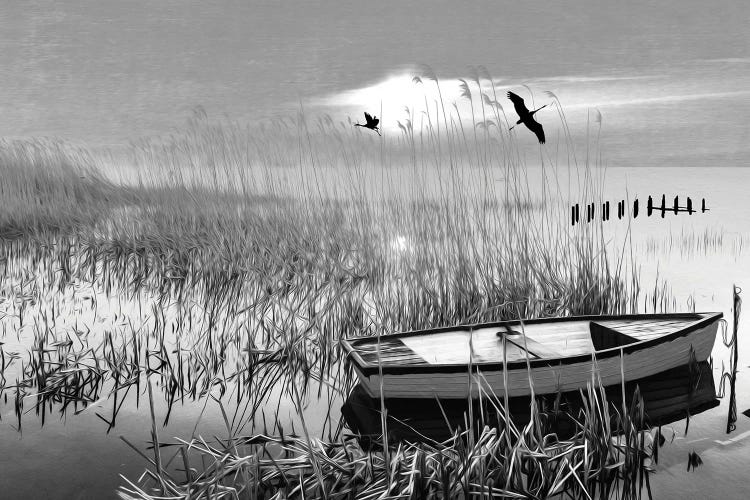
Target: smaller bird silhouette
(371,123)
(527,117)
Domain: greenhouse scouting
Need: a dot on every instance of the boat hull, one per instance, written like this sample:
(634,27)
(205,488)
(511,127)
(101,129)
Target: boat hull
(667,397)
(555,375)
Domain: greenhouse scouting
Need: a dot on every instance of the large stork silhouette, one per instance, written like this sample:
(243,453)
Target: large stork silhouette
(371,123)
(526,117)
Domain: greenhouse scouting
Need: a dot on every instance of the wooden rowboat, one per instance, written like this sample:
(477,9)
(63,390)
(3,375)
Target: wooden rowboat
(543,355)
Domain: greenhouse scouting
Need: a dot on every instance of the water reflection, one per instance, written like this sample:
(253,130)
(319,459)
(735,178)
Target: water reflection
(667,397)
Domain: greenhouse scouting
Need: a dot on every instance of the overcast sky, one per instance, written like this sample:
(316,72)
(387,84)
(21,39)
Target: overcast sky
(106,71)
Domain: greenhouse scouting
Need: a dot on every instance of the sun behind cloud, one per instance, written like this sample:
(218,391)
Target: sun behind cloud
(401,96)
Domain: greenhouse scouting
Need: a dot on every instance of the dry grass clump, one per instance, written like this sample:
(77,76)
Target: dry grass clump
(602,459)
(48,187)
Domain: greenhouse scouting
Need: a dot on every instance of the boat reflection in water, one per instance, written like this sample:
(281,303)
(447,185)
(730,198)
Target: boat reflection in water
(667,397)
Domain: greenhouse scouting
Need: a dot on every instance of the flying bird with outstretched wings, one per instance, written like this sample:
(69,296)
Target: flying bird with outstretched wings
(526,117)
(371,122)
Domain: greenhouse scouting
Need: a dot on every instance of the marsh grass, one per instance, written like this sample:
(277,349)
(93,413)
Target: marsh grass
(603,458)
(47,187)
(690,243)
(226,262)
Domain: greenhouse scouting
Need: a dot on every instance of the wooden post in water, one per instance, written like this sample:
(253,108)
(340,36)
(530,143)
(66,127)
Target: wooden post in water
(663,205)
(736,307)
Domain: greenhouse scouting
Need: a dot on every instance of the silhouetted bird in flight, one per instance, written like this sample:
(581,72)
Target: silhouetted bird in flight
(526,117)
(372,123)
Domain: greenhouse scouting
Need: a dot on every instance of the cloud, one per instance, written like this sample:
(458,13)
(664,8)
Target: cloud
(731,60)
(663,99)
(590,79)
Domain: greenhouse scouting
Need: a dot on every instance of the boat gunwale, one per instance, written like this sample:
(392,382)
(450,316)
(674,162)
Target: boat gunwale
(367,369)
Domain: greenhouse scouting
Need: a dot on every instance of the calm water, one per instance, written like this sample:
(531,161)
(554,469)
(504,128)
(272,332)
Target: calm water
(66,446)
(669,80)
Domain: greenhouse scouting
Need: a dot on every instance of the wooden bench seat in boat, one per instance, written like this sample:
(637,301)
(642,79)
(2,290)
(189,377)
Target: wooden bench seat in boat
(534,348)
(606,338)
